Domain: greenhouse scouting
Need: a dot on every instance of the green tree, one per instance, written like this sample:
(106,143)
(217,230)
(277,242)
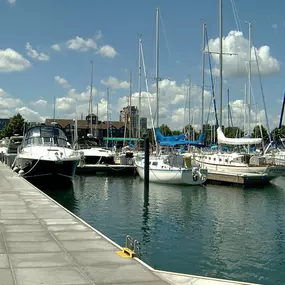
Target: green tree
(176,132)
(165,130)
(260,132)
(276,134)
(233,132)
(15,126)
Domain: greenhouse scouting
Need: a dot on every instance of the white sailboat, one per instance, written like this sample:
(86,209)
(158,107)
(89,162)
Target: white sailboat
(170,169)
(167,168)
(245,164)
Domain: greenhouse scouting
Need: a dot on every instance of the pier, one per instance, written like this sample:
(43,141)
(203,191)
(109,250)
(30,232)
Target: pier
(254,179)
(43,243)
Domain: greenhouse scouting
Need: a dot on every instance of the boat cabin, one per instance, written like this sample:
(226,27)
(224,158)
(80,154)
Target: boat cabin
(44,135)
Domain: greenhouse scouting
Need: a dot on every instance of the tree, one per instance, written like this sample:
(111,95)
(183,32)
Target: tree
(15,126)
(176,132)
(165,130)
(233,132)
(260,134)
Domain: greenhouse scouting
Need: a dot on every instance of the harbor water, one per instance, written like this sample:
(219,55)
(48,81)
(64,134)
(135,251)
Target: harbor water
(216,231)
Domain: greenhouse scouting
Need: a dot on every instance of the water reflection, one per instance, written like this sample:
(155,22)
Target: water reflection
(60,191)
(145,219)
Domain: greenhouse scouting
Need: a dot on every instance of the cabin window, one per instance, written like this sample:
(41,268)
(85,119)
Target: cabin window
(154,163)
(220,159)
(214,158)
(226,160)
(210,158)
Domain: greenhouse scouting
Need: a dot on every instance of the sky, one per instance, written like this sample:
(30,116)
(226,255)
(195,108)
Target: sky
(46,47)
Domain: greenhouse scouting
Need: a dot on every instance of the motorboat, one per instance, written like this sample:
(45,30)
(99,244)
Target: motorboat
(45,152)
(170,169)
(12,149)
(92,153)
(3,148)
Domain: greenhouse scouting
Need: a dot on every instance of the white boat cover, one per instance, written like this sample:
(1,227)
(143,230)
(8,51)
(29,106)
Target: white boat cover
(236,141)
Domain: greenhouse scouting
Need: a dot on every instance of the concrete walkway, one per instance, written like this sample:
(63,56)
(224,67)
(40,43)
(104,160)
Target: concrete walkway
(42,243)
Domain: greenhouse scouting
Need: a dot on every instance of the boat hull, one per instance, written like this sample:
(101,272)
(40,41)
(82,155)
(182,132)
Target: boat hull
(269,172)
(181,176)
(35,168)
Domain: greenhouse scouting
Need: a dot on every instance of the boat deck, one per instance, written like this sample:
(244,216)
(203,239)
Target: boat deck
(43,243)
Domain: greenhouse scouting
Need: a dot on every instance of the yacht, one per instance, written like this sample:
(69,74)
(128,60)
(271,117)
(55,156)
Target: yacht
(45,152)
(170,169)
(3,148)
(92,153)
(12,148)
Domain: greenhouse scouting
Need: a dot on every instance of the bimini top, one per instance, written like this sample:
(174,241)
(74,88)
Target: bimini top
(236,141)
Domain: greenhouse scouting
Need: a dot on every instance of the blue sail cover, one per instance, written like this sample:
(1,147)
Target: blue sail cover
(176,140)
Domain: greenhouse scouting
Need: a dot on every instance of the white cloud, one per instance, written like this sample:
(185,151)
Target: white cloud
(36,55)
(2,93)
(107,51)
(115,83)
(79,44)
(236,65)
(39,103)
(61,81)
(65,107)
(30,115)
(56,47)
(9,102)
(12,2)
(10,61)
(83,96)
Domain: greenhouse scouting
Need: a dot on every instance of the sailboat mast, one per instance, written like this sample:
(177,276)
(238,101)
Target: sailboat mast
(221,60)
(91,99)
(108,125)
(203,77)
(140,89)
(130,109)
(249,77)
(54,103)
(189,102)
(157,67)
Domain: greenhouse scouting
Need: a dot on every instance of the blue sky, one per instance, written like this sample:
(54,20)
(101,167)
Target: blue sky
(107,33)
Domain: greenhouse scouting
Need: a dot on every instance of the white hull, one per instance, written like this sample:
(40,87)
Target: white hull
(184,176)
(271,172)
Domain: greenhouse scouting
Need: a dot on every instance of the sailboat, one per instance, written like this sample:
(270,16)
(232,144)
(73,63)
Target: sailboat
(88,146)
(168,168)
(236,163)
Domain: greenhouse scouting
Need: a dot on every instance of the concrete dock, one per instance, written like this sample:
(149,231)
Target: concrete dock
(43,243)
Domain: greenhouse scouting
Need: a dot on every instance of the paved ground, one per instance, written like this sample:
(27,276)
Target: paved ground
(42,243)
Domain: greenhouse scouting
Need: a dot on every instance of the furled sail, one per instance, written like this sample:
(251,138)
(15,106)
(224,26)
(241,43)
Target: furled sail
(236,141)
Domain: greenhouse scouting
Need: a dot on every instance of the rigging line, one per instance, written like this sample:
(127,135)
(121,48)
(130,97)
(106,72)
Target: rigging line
(147,90)
(237,20)
(164,33)
(263,98)
(235,16)
(211,76)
